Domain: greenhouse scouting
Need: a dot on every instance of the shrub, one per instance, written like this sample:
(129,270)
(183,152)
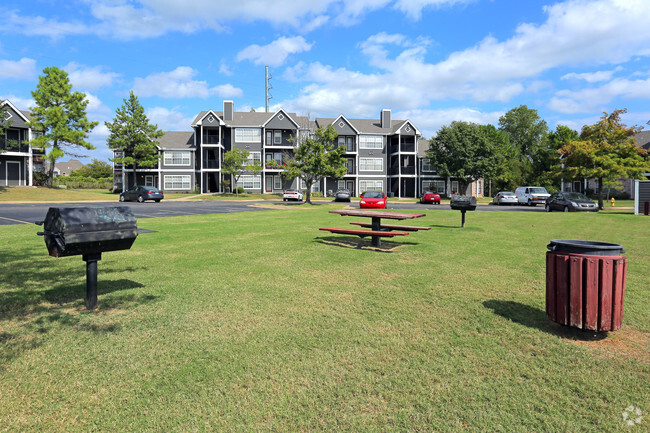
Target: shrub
(77,182)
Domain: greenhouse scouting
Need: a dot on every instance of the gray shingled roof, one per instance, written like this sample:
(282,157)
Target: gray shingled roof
(365,126)
(643,139)
(423,146)
(247,118)
(177,140)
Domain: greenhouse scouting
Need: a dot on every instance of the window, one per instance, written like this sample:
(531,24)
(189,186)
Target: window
(248,181)
(248,135)
(178,181)
(371,142)
(426,165)
(341,184)
(371,185)
(277,137)
(371,164)
(254,157)
(434,185)
(277,182)
(148,180)
(177,157)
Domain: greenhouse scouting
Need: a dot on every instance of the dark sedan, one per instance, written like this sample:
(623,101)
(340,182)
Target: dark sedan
(570,202)
(142,194)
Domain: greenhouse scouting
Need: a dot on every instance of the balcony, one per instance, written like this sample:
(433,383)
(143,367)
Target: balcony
(210,139)
(407,147)
(211,163)
(408,170)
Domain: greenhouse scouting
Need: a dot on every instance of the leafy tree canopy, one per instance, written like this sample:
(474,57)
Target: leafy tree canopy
(468,151)
(237,162)
(605,151)
(317,157)
(96,169)
(61,114)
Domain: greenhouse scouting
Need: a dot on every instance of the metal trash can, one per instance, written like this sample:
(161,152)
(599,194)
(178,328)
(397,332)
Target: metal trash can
(585,284)
(88,232)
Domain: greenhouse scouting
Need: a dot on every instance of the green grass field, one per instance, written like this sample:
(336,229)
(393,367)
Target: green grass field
(258,321)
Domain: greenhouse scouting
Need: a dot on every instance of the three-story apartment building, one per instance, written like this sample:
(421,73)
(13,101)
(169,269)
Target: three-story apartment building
(381,154)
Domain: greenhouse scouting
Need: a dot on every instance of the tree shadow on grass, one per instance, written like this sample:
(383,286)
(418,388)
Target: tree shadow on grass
(536,318)
(361,244)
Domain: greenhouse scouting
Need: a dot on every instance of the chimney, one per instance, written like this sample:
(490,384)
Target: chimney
(384,118)
(228,110)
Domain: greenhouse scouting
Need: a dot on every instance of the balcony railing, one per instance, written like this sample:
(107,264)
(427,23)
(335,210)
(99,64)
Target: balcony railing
(408,170)
(210,139)
(210,163)
(408,147)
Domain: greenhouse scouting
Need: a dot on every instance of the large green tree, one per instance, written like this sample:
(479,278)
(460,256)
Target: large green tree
(60,114)
(317,157)
(236,162)
(467,151)
(133,137)
(527,134)
(606,151)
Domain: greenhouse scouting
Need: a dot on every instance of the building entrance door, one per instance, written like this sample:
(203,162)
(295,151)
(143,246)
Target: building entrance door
(13,177)
(350,185)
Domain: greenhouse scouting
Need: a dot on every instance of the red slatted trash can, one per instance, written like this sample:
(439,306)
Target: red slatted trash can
(585,284)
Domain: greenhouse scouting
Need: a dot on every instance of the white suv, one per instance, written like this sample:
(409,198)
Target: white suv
(531,195)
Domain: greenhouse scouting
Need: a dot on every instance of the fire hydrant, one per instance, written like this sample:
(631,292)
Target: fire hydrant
(613,202)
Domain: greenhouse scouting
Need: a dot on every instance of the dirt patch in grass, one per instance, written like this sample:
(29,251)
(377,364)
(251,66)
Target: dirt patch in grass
(627,342)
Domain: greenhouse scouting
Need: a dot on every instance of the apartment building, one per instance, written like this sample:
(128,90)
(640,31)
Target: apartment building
(18,159)
(381,154)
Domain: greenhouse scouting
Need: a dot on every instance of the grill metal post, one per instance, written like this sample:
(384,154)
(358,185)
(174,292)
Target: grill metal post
(91,279)
(376,225)
(462,218)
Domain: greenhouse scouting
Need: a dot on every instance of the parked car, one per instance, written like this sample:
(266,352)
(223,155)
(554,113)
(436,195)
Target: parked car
(373,199)
(430,197)
(531,195)
(570,202)
(342,195)
(291,194)
(504,197)
(142,194)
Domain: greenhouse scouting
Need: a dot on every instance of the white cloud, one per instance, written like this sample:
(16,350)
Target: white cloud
(169,120)
(575,32)
(592,77)
(413,8)
(23,69)
(275,53)
(19,102)
(89,78)
(179,84)
(11,22)
(95,108)
(581,101)
(430,121)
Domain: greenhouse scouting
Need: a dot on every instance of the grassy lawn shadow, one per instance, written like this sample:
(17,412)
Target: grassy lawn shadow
(535,318)
(361,244)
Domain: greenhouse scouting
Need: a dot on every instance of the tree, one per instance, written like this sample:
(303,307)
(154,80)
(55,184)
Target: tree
(236,162)
(527,134)
(605,151)
(61,115)
(465,150)
(316,157)
(133,136)
(96,169)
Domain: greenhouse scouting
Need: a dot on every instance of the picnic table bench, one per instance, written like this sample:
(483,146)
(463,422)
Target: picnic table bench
(375,231)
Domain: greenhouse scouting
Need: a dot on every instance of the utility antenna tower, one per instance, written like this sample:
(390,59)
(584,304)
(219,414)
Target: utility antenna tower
(267,87)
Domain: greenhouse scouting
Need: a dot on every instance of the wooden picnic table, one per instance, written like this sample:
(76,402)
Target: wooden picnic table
(376,229)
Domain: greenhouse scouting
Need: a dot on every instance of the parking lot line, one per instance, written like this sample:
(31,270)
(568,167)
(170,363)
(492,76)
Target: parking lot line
(18,221)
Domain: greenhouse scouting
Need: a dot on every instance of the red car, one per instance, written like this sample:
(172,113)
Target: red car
(430,197)
(373,199)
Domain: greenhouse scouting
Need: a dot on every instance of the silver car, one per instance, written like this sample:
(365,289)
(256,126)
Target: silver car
(504,197)
(342,195)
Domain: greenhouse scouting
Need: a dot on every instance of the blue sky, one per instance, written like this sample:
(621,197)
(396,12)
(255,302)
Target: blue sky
(430,61)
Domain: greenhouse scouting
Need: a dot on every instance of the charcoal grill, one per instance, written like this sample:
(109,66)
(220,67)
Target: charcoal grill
(88,232)
(463,203)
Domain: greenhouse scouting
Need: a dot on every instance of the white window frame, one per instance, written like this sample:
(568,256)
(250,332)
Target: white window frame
(250,181)
(148,180)
(341,184)
(177,157)
(371,185)
(277,137)
(248,135)
(277,182)
(426,165)
(177,182)
(371,142)
(254,157)
(434,185)
(315,187)
(371,164)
